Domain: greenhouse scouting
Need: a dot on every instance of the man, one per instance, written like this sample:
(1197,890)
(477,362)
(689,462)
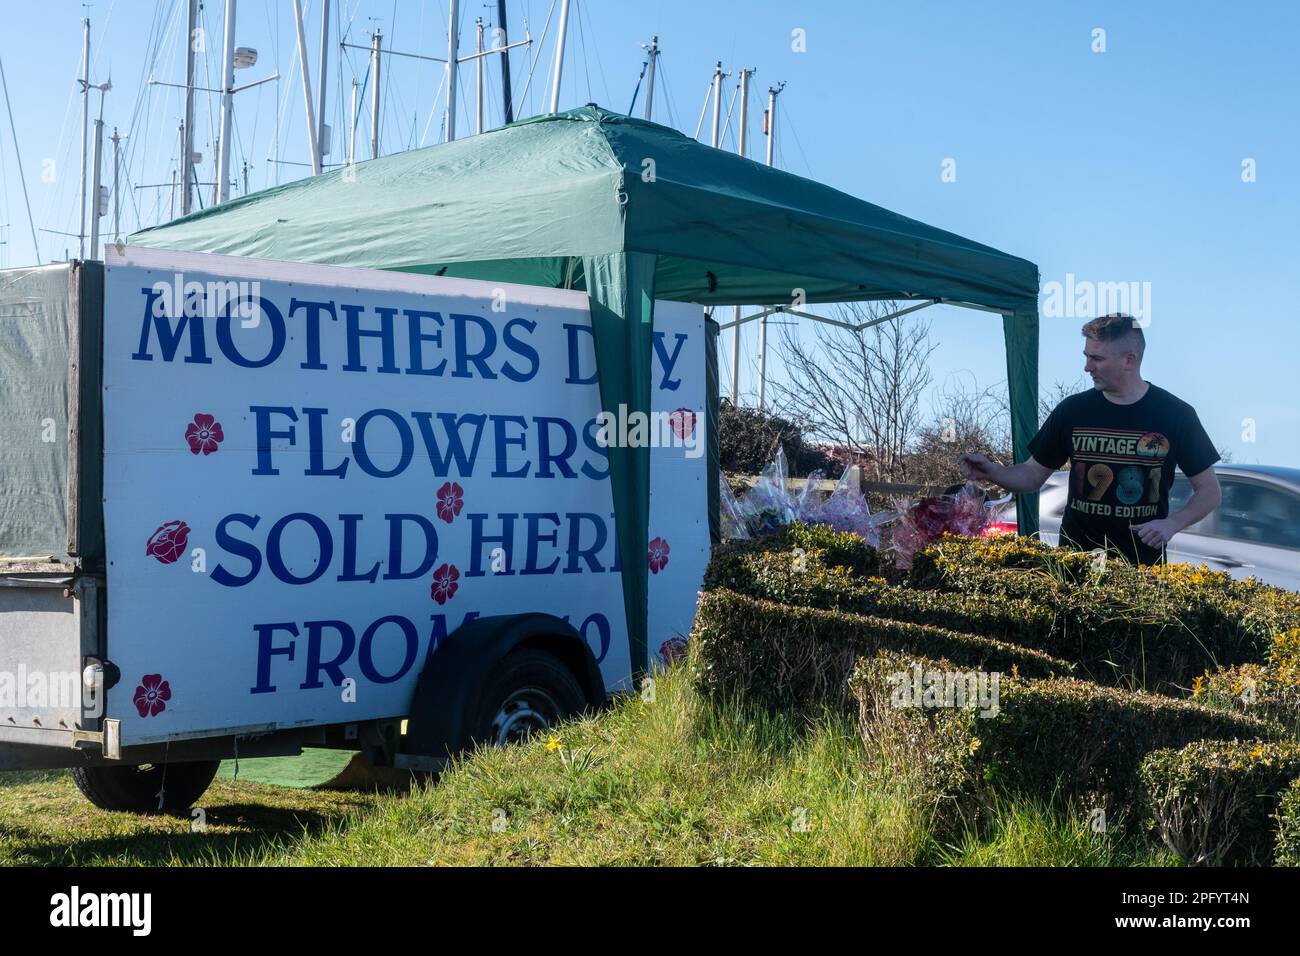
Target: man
(1123,437)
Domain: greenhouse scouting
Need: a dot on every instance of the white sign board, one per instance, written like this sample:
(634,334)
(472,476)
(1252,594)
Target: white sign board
(313,474)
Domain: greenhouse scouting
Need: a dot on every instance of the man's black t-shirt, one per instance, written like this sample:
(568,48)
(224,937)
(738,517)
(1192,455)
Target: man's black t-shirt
(1122,461)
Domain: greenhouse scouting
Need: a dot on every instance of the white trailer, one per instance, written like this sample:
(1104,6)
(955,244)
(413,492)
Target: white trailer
(293,505)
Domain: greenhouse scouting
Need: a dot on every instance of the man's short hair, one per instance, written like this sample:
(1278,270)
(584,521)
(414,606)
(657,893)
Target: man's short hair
(1117,327)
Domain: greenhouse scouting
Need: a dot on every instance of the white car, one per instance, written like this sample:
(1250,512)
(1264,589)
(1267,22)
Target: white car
(1255,531)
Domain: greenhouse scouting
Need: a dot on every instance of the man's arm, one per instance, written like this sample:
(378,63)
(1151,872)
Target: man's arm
(1206,496)
(1024,478)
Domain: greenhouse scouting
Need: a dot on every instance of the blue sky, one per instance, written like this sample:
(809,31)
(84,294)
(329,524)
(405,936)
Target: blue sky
(1117,166)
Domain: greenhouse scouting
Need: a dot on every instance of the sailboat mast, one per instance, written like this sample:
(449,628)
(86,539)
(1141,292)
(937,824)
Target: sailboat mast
(321,149)
(85,130)
(507,103)
(453,36)
(559,56)
(187,131)
(312,145)
(221,188)
(650,76)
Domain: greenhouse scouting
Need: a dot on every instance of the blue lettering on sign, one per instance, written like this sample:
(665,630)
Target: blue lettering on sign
(404,437)
(520,348)
(669,362)
(580,556)
(274,553)
(365,652)
(334,652)
(226,341)
(475,348)
(499,422)
(333,667)
(323,555)
(301,547)
(601,623)
(451,425)
(464,357)
(356,333)
(314,311)
(169,338)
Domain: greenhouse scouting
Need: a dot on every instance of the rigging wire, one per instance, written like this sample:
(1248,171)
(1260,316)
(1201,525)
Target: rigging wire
(704,109)
(672,109)
(583,13)
(535,60)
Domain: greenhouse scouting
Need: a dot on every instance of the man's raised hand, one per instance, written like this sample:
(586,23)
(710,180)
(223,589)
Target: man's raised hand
(977,467)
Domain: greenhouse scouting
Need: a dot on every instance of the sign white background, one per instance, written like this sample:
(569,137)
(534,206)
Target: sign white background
(201,637)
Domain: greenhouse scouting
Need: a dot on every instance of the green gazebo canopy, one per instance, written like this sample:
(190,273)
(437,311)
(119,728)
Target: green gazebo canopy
(628,211)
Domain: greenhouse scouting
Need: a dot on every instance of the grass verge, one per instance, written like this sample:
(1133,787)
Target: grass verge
(677,780)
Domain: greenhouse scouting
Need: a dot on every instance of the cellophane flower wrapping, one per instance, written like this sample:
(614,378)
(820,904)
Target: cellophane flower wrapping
(932,517)
(769,504)
(809,501)
(731,512)
(846,509)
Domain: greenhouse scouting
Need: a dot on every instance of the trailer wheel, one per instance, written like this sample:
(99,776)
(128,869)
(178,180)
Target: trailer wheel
(527,692)
(136,788)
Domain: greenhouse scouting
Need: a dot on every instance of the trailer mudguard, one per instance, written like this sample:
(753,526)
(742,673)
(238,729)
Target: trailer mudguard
(451,684)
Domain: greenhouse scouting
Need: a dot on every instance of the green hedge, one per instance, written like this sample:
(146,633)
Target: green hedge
(842,549)
(806,578)
(1287,848)
(1146,648)
(1160,626)
(1215,802)
(838,549)
(1059,736)
(1254,689)
(800,658)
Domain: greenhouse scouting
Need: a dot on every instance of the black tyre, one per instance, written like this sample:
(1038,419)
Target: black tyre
(527,692)
(137,788)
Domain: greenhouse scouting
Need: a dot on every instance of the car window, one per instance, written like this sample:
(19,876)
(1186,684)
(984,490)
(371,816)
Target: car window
(1258,513)
(1179,495)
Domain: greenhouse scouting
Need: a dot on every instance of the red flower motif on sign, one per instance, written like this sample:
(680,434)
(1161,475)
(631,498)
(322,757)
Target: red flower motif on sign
(204,434)
(658,555)
(444,583)
(683,422)
(450,500)
(168,542)
(151,695)
(673,649)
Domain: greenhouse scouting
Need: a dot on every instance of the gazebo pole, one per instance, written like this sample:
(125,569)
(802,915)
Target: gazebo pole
(743,142)
(762,324)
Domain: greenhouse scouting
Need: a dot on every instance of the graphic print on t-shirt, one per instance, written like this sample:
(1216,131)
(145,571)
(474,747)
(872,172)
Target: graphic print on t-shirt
(1117,472)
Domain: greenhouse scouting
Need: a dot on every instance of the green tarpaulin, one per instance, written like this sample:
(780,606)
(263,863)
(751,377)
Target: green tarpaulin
(629,211)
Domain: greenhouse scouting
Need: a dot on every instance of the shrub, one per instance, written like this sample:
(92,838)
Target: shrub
(800,658)
(839,549)
(1286,851)
(748,440)
(804,579)
(1214,802)
(1270,691)
(1060,736)
(1162,625)
(1253,689)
